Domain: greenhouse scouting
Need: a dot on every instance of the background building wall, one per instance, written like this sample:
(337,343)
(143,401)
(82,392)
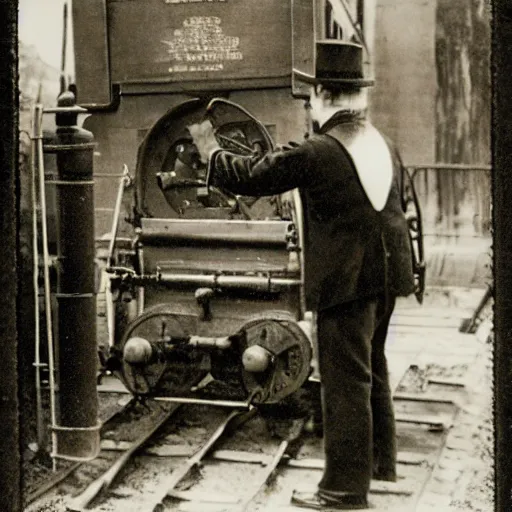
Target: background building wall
(463,104)
(403,100)
(431,60)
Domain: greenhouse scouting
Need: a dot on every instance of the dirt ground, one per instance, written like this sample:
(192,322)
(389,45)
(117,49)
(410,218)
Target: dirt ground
(473,492)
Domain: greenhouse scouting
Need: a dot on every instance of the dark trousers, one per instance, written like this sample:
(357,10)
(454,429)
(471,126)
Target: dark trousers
(358,418)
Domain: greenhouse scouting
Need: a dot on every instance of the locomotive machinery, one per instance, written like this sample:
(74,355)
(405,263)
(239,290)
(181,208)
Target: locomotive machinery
(206,289)
(208,303)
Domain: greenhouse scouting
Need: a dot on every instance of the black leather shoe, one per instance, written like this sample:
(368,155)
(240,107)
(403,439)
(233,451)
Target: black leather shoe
(320,501)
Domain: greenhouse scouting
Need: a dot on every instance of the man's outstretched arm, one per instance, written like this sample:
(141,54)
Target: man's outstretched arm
(273,173)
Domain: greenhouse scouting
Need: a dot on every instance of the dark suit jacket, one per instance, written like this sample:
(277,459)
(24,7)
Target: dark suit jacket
(352,251)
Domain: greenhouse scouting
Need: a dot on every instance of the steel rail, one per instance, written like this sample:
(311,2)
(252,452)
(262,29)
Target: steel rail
(271,463)
(182,470)
(294,434)
(202,401)
(80,502)
(60,477)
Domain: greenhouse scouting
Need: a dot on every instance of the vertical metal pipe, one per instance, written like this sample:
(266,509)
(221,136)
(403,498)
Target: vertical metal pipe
(38,137)
(64,49)
(123,183)
(78,429)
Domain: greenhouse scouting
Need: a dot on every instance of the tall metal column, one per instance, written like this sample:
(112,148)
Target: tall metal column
(77,431)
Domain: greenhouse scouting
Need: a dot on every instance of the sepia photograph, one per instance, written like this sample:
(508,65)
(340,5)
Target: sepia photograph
(206,196)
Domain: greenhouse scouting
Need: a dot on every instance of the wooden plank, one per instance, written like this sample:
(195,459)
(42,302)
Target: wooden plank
(443,410)
(203,497)
(170,450)
(458,383)
(115,446)
(433,312)
(112,385)
(406,458)
(411,458)
(201,506)
(241,456)
(426,321)
(433,421)
(397,489)
(439,332)
(419,397)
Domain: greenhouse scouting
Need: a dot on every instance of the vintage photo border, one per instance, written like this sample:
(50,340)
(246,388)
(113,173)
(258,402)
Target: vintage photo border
(501,59)
(10,457)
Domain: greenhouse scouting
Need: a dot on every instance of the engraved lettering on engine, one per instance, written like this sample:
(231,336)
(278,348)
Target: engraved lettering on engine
(201,45)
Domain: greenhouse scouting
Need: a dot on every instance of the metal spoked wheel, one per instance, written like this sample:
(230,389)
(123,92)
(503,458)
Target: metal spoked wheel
(163,375)
(278,333)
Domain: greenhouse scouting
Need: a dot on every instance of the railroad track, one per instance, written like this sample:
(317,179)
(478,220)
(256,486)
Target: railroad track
(424,418)
(210,459)
(70,468)
(104,468)
(184,470)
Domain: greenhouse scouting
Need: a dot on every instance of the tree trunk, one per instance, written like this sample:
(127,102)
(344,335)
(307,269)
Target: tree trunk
(463,111)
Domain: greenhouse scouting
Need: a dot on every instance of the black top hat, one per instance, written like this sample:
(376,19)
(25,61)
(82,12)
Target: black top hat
(337,64)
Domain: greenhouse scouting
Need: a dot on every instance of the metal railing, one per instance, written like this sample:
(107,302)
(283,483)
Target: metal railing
(481,196)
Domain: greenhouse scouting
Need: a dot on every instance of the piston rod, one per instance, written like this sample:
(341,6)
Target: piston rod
(263,283)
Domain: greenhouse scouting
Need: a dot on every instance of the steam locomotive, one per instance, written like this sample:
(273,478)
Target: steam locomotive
(210,287)
(205,293)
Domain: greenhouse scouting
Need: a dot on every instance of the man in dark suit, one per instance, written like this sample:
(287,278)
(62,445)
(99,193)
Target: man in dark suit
(358,260)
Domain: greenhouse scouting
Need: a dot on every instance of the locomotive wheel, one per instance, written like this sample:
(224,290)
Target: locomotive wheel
(161,376)
(278,334)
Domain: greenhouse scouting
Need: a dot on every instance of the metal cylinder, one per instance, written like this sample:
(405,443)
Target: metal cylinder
(78,425)
(262,283)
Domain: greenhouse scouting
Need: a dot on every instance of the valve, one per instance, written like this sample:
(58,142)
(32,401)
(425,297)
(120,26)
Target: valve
(203,297)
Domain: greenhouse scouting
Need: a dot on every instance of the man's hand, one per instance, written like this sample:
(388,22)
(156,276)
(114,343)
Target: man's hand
(204,139)
(287,147)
